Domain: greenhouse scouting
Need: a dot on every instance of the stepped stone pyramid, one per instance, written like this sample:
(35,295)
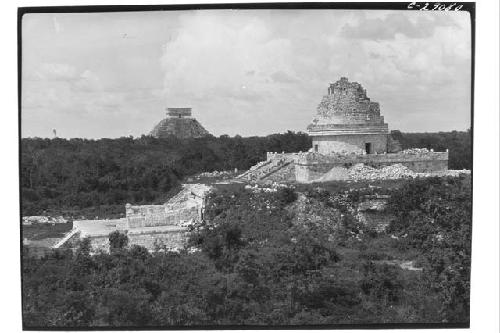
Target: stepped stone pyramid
(180,124)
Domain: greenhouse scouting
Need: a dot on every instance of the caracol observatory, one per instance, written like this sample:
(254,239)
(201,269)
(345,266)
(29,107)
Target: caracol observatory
(347,131)
(348,121)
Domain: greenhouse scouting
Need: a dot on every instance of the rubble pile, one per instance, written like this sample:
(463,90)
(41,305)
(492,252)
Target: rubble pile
(214,174)
(447,173)
(416,151)
(394,171)
(272,188)
(29,220)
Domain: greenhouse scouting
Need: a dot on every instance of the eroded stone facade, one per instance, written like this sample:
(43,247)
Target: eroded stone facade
(347,130)
(151,226)
(347,121)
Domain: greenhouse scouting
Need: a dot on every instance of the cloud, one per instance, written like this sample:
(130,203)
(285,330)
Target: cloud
(213,56)
(231,67)
(55,72)
(226,67)
(393,24)
(64,88)
(282,77)
(243,72)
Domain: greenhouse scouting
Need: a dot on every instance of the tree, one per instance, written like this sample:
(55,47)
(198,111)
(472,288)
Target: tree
(117,241)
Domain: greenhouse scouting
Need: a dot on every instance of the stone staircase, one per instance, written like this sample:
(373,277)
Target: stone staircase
(253,170)
(66,238)
(272,172)
(267,170)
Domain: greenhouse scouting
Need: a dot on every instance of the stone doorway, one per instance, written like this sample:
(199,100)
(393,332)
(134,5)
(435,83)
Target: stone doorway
(368,147)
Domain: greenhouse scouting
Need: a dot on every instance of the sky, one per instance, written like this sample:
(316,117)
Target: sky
(246,72)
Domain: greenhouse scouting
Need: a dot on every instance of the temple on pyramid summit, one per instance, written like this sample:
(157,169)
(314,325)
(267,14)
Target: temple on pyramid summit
(179,123)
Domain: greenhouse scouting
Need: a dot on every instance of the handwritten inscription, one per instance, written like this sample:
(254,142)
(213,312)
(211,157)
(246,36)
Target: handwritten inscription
(435,6)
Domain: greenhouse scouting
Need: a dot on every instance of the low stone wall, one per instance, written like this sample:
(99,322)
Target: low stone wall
(148,225)
(327,144)
(274,155)
(312,166)
(150,239)
(166,240)
(145,215)
(160,215)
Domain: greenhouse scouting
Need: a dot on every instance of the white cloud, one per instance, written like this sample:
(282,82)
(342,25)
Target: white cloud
(243,72)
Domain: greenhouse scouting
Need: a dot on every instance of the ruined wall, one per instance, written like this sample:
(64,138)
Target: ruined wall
(162,217)
(328,144)
(346,105)
(145,215)
(147,225)
(346,120)
(184,207)
(152,241)
(313,166)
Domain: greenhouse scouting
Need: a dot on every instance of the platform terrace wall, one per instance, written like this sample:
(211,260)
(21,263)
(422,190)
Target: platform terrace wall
(312,166)
(172,239)
(328,144)
(145,215)
(157,215)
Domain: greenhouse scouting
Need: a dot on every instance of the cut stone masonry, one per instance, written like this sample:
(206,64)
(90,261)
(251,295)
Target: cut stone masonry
(347,130)
(147,225)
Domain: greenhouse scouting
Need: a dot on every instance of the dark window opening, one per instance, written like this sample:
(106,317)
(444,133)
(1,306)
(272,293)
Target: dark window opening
(316,148)
(368,147)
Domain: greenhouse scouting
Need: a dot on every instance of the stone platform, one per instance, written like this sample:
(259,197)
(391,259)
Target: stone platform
(311,166)
(152,226)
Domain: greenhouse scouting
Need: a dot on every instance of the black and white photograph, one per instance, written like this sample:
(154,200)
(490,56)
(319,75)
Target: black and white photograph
(246,166)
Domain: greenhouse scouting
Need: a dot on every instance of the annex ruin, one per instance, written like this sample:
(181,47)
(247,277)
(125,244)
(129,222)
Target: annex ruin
(179,123)
(156,227)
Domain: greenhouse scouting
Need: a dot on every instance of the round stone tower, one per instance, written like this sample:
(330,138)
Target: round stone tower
(347,121)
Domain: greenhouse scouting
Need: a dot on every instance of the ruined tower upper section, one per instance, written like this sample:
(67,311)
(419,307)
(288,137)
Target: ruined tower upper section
(347,110)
